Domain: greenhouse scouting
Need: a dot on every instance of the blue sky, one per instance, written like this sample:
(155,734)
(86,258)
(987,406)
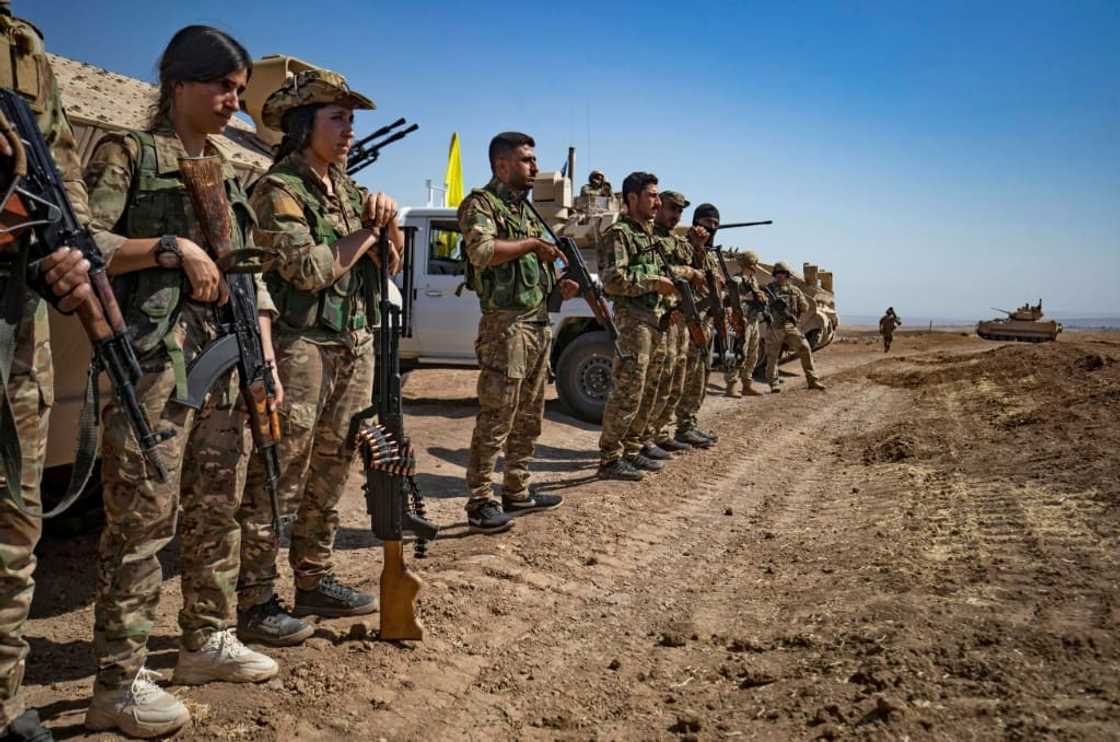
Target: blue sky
(939,157)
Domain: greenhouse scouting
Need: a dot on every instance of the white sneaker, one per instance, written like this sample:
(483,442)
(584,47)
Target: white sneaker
(223,657)
(141,710)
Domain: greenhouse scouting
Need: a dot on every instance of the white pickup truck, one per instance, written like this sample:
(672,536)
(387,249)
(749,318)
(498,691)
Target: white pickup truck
(445,319)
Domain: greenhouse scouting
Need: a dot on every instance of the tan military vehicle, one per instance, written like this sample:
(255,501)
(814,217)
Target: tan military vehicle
(1024,325)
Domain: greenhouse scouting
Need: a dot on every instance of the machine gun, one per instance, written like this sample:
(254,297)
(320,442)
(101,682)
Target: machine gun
(692,319)
(35,199)
(736,225)
(366,151)
(239,342)
(589,288)
(393,500)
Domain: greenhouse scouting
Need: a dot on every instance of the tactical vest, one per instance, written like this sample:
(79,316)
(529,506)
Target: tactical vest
(524,283)
(152,299)
(643,262)
(21,61)
(351,302)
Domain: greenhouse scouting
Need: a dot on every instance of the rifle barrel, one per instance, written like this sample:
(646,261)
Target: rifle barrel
(379,133)
(736,225)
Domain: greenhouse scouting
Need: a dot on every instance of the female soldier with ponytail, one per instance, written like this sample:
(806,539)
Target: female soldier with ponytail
(322,225)
(144,223)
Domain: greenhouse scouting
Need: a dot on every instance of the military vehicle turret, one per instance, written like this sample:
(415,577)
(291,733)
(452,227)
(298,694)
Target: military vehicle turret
(1024,325)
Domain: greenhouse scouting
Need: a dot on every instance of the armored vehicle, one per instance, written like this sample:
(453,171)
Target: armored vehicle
(1024,325)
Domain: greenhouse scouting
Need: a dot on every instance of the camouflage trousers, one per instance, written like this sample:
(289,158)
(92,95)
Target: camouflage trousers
(744,367)
(780,338)
(513,356)
(324,386)
(671,386)
(695,385)
(634,385)
(31,392)
(888,338)
(206,458)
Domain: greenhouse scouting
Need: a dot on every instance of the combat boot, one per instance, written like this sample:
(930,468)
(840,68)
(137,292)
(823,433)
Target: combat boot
(641,463)
(269,623)
(223,657)
(656,452)
(27,728)
(331,599)
(710,436)
(733,389)
(814,384)
(620,469)
(750,391)
(673,445)
(775,387)
(693,438)
(143,709)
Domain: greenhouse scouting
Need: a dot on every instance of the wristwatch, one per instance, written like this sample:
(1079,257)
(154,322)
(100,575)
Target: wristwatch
(167,252)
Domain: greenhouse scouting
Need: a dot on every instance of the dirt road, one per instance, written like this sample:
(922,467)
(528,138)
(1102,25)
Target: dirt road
(928,550)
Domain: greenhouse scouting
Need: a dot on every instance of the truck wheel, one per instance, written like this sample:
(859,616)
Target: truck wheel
(583,375)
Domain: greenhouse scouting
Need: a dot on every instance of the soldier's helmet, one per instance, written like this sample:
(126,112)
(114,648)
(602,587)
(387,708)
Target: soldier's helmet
(781,267)
(748,258)
(594,174)
(307,87)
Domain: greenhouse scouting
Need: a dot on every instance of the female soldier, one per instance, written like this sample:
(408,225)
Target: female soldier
(322,224)
(144,222)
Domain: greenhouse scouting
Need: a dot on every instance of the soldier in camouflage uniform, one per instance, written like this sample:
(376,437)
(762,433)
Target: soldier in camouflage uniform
(30,389)
(671,385)
(322,224)
(137,194)
(633,279)
(597,185)
(784,331)
(706,217)
(887,324)
(754,301)
(512,270)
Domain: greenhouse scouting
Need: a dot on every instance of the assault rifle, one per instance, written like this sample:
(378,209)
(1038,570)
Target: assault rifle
(366,151)
(589,288)
(393,500)
(714,304)
(239,341)
(739,321)
(692,319)
(735,299)
(35,199)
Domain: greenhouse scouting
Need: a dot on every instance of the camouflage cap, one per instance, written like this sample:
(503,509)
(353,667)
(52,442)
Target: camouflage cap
(748,257)
(781,267)
(311,86)
(675,198)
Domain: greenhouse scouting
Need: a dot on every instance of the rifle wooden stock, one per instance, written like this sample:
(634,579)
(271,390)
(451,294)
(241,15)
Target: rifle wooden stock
(399,589)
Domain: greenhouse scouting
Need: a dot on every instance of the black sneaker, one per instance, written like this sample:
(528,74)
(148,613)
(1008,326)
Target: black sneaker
(489,518)
(269,623)
(693,438)
(672,444)
(641,462)
(534,502)
(710,436)
(620,469)
(656,452)
(332,599)
(27,728)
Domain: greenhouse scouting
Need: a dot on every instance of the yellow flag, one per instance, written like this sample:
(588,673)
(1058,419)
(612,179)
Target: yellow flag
(453,178)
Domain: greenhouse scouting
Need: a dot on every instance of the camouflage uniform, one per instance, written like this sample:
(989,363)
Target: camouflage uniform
(784,333)
(136,191)
(24,68)
(671,384)
(513,343)
(324,353)
(630,274)
(744,366)
(698,368)
(887,324)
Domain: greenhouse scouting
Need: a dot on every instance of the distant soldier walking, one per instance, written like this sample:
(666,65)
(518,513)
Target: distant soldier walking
(887,324)
(787,305)
(511,269)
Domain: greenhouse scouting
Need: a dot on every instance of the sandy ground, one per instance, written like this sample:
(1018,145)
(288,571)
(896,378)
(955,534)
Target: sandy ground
(928,550)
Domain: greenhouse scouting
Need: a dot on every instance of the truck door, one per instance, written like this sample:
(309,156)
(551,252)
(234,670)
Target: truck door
(445,325)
